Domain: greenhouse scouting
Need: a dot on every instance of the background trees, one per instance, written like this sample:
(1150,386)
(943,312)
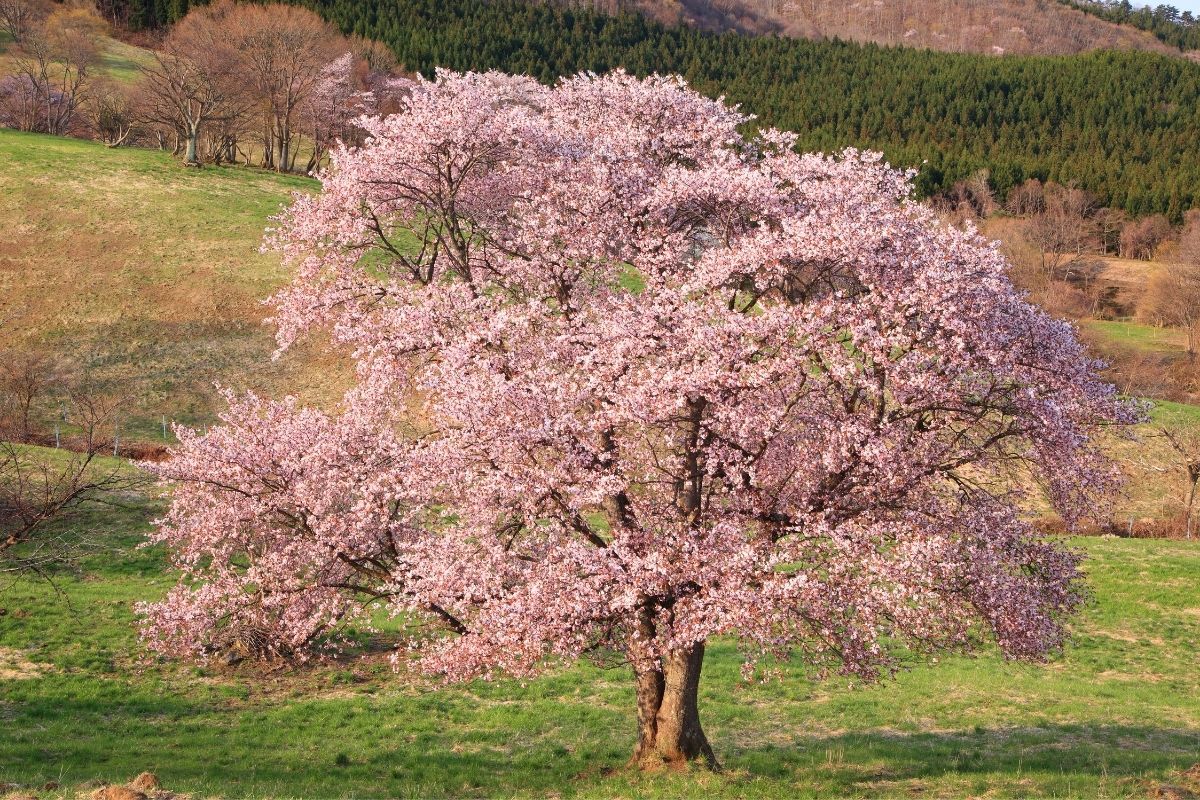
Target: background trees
(52,65)
(803,428)
(1119,124)
(40,487)
(196,81)
(234,79)
(284,50)
(18,18)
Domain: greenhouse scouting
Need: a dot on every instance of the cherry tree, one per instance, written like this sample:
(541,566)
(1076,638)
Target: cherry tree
(630,379)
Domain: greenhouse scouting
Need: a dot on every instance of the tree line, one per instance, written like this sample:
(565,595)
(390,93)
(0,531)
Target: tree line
(1123,125)
(275,85)
(1168,23)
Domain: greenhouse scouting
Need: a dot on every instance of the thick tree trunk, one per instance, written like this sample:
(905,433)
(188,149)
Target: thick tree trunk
(669,732)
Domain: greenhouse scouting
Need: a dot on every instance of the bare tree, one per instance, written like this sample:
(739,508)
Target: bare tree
(55,60)
(1173,298)
(19,17)
(1026,199)
(111,113)
(40,489)
(1141,238)
(194,81)
(377,56)
(284,51)
(27,377)
(1185,459)
(1189,238)
(1109,223)
(1064,231)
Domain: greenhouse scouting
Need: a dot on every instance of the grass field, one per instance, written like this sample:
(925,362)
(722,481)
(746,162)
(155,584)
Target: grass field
(1116,715)
(118,61)
(147,272)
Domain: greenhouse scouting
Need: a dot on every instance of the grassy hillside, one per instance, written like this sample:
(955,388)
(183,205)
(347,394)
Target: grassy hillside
(150,274)
(1114,716)
(118,61)
(146,272)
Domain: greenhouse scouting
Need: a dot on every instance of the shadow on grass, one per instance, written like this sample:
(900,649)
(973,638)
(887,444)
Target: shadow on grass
(439,744)
(1087,751)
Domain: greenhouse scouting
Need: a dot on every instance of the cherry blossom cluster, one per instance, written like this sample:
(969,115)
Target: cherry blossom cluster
(629,378)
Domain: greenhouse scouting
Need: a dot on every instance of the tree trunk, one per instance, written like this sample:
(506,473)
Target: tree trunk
(669,732)
(191,156)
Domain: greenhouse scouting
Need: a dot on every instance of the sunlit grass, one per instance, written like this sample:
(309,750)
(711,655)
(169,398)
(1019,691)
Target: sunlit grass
(1116,713)
(148,272)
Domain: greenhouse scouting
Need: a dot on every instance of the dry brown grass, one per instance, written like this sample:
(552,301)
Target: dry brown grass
(147,273)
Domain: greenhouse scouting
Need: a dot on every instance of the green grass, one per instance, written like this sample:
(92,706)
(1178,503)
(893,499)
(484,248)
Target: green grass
(1137,336)
(147,271)
(117,61)
(1175,415)
(123,62)
(1117,713)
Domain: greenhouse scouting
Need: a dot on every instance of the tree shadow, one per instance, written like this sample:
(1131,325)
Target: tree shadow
(873,758)
(470,744)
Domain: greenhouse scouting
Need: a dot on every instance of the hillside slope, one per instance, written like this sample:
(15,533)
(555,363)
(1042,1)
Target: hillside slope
(144,272)
(976,26)
(1122,125)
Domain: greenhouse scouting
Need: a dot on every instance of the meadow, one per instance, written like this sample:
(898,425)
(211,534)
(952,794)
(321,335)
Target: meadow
(150,275)
(1116,715)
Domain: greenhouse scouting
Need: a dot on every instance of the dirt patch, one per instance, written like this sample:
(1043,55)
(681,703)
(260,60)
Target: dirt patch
(15,667)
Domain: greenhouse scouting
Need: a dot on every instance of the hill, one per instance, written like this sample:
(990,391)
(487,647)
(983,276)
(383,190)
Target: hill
(144,272)
(980,26)
(1123,125)
(149,275)
(118,61)
(1115,716)
(993,27)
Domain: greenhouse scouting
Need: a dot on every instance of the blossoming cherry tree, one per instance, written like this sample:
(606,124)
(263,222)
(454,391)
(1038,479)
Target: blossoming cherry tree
(629,379)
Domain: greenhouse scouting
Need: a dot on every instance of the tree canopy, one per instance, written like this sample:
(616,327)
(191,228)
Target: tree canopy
(630,379)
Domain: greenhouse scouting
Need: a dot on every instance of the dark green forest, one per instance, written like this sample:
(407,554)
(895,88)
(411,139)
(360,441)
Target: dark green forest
(1123,125)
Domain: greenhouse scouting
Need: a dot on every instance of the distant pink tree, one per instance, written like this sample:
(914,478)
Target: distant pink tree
(629,379)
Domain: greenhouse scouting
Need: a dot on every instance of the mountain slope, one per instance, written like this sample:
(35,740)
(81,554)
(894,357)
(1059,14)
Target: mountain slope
(979,26)
(1123,125)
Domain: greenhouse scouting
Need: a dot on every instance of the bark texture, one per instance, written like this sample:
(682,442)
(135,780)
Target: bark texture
(669,731)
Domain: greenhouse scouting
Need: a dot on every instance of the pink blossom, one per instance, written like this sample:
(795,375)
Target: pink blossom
(809,425)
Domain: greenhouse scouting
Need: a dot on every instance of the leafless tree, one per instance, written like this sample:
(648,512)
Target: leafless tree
(40,488)
(39,491)
(27,378)
(284,50)
(1063,232)
(111,113)
(1173,298)
(1141,238)
(194,81)
(1026,199)
(19,17)
(1109,223)
(1189,238)
(55,61)
(1184,446)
